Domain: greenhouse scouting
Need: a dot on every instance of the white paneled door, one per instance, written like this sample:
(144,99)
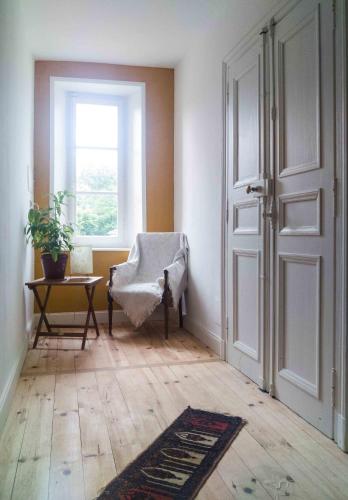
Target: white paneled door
(304,172)
(246,161)
(281,239)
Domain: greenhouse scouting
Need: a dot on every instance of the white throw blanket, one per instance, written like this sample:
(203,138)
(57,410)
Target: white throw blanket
(138,284)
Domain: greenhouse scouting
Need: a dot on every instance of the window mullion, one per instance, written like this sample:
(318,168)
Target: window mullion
(97,148)
(96,192)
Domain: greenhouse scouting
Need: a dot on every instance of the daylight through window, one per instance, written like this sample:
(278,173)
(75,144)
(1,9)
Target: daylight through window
(96,153)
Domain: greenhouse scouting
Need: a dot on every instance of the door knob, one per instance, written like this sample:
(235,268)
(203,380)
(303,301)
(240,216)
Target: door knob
(250,189)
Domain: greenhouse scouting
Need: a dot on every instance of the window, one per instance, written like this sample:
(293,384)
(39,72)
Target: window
(96,166)
(101,134)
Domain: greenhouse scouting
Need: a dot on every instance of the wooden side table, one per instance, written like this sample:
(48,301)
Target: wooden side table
(89,283)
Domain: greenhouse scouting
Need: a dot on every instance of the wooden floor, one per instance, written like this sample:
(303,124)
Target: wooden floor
(78,418)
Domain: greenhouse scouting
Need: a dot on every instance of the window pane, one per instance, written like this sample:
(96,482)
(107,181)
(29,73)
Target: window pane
(97,214)
(96,125)
(96,170)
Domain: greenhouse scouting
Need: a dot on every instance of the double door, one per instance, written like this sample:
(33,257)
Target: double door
(281,196)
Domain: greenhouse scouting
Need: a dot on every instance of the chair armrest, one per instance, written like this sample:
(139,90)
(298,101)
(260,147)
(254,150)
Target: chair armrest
(165,271)
(167,296)
(111,271)
(175,279)
(125,273)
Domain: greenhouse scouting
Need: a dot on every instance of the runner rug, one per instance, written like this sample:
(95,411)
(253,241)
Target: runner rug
(179,461)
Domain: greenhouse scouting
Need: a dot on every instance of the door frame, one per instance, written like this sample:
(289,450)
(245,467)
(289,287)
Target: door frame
(340,368)
(341,187)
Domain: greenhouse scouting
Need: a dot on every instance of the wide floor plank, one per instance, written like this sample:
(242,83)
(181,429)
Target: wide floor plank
(66,471)
(79,417)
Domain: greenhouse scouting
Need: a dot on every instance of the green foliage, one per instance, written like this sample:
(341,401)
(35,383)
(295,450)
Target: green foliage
(96,214)
(97,178)
(45,229)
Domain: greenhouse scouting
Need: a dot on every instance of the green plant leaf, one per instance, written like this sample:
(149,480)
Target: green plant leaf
(46,229)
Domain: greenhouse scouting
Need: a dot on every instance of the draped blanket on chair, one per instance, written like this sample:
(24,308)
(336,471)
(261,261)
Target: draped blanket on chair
(138,284)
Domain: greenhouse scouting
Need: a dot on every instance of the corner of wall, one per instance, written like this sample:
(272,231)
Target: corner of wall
(205,335)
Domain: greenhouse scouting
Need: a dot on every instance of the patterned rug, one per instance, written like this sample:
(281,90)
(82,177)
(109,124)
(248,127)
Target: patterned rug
(178,463)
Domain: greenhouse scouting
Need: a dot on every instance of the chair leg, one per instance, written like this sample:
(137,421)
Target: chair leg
(181,319)
(110,308)
(166,320)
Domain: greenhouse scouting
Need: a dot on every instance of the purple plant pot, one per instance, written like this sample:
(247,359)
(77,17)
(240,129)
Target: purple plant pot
(54,270)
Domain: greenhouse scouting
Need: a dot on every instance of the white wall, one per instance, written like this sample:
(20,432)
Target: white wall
(198,160)
(16,103)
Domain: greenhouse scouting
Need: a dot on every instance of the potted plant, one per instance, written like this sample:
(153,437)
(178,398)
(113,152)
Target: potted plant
(48,233)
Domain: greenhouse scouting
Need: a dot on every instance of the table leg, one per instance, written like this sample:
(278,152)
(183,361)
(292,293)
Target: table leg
(43,317)
(93,313)
(90,312)
(43,307)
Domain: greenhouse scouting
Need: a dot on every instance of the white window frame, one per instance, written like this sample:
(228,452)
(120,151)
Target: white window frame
(60,88)
(74,98)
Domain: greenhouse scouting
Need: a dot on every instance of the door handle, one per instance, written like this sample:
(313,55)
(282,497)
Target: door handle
(250,189)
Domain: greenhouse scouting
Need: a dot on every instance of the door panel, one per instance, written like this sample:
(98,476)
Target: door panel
(298,87)
(299,213)
(246,217)
(246,322)
(299,320)
(246,231)
(246,123)
(303,193)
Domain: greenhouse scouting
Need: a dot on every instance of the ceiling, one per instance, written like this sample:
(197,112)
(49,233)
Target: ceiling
(136,32)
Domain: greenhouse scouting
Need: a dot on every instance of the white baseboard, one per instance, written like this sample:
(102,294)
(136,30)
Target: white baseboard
(11,384)
(29,327)
(206,336)
(341,432)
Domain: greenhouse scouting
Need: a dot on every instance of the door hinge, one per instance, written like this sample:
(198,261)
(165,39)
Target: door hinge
(228,93)
(274,113)
(333,386)
(227,212)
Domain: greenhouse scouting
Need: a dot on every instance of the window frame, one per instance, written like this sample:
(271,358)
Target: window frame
(74,98)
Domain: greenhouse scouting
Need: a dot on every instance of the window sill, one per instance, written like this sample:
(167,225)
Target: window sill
(110,249)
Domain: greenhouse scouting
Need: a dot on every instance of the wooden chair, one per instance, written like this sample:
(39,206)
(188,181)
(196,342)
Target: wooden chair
(167,301)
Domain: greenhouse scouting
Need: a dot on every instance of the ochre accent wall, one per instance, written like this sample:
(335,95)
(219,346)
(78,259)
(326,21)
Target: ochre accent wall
(159,158)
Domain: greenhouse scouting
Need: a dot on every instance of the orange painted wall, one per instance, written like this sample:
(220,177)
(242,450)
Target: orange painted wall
(159,157)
